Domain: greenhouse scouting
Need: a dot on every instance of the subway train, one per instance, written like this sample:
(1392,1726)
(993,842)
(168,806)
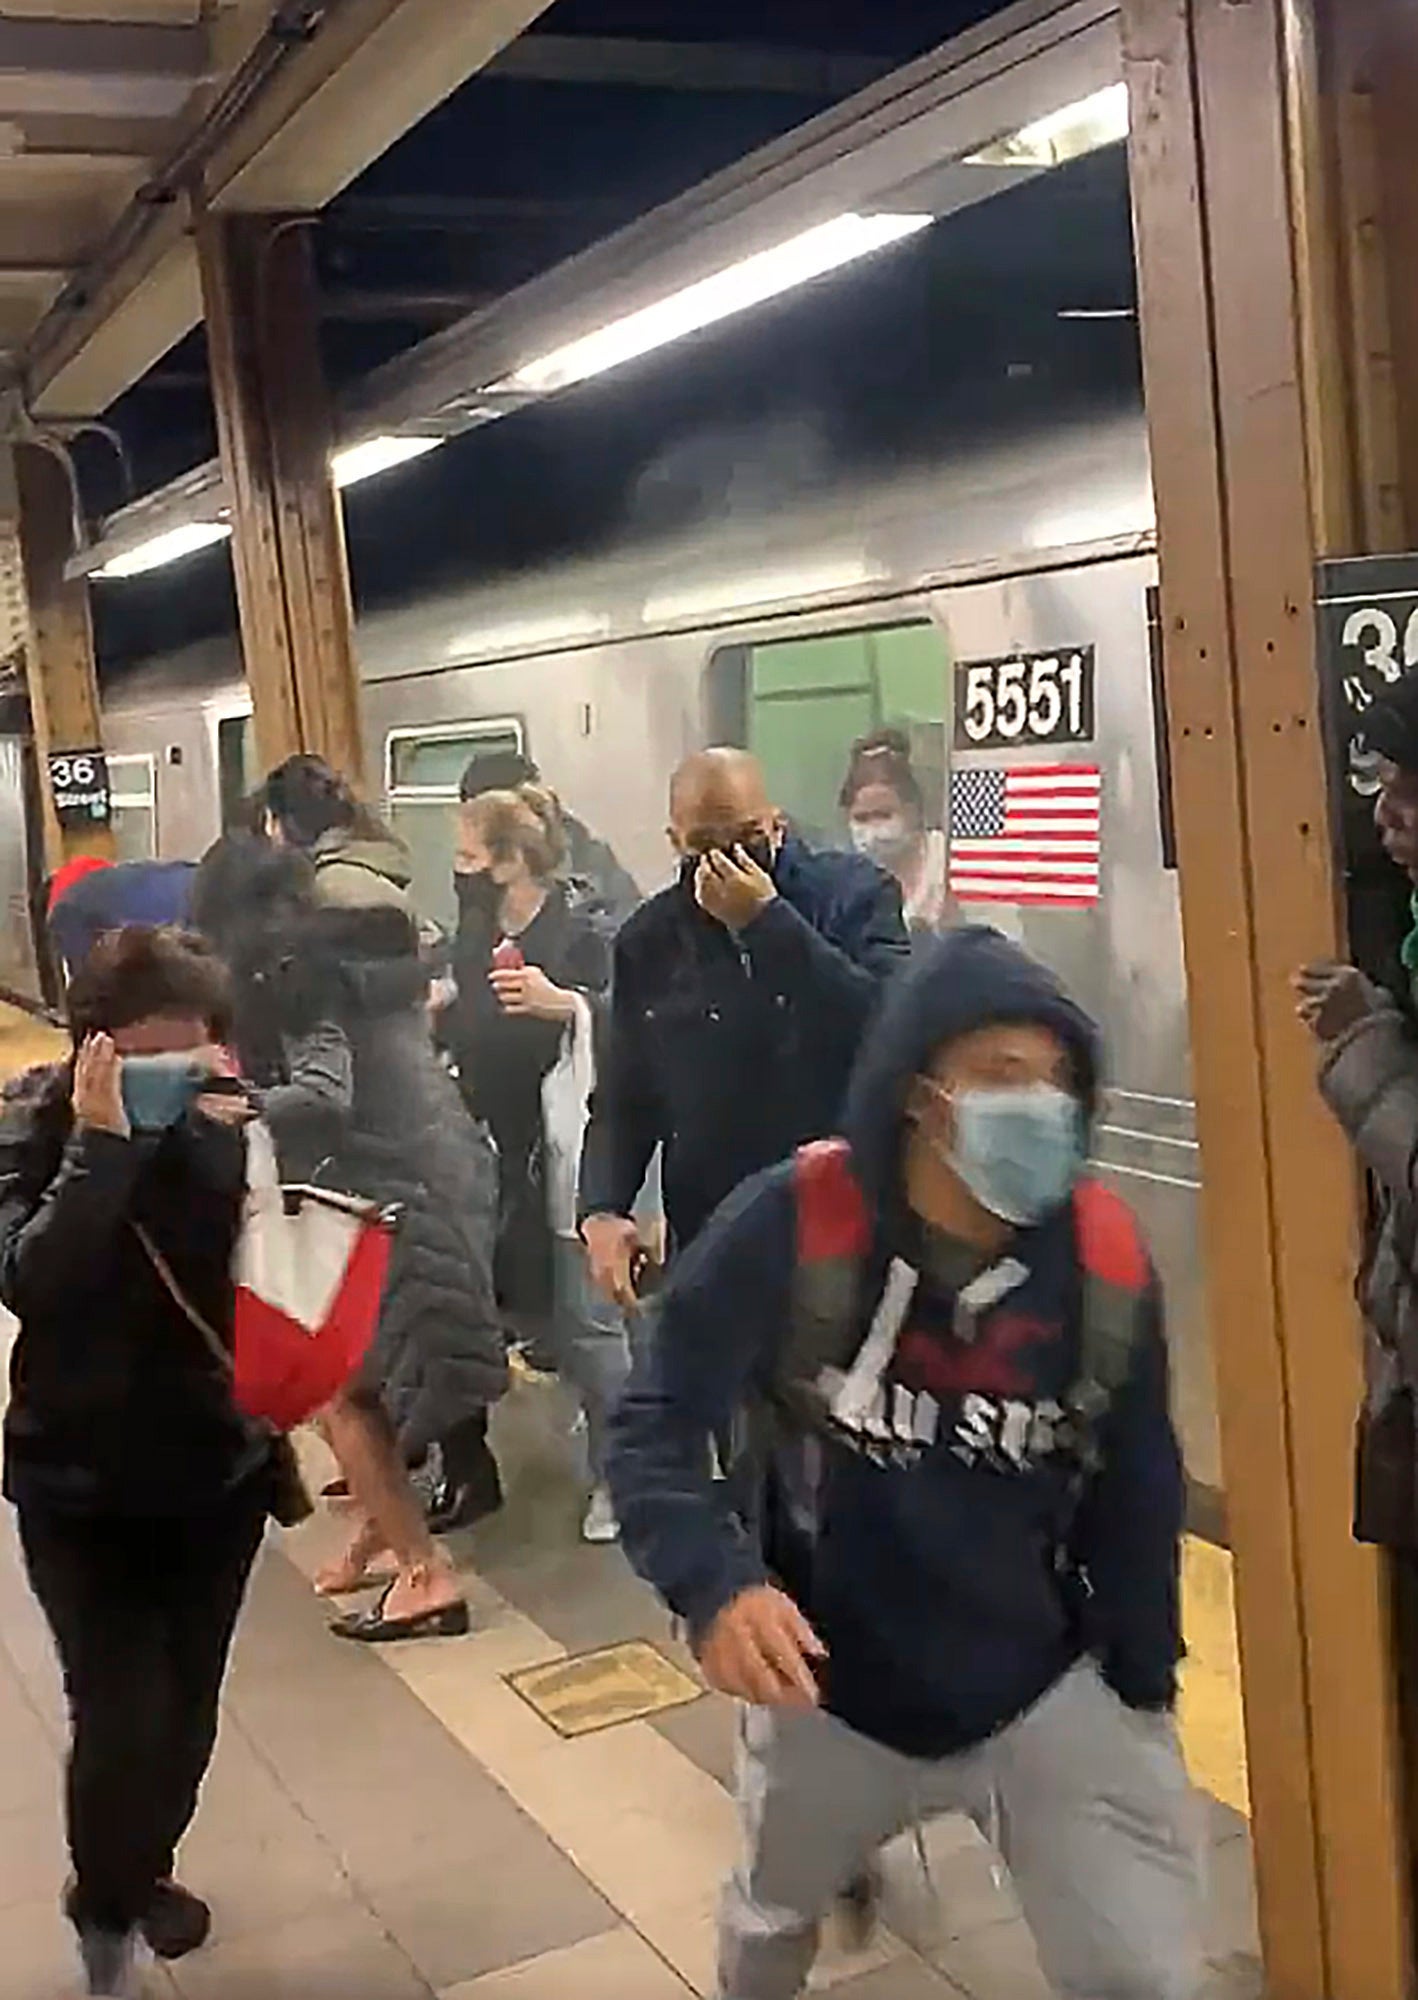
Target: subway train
(1000,607)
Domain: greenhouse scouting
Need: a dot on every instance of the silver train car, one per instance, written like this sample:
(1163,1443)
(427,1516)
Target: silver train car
(999,607)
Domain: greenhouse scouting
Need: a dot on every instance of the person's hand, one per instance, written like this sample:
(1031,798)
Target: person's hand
(527,990)
(98,1088)
(1331,999)
(761,1649)
(612,1246)
(230,1108)
(732,888)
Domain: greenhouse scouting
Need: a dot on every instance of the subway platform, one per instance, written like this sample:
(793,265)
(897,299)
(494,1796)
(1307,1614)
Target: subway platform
(539,1811)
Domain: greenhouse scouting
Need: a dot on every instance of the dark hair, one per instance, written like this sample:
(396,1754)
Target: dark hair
(308,799)
(498,771)
(139,971)
(883,758)
(1389,727)
(242,886)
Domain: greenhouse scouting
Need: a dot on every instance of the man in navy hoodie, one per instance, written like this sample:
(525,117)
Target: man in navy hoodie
(951,1580)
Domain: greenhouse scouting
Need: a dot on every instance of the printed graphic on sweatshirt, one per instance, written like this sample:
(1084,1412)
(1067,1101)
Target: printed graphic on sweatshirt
(971,1386)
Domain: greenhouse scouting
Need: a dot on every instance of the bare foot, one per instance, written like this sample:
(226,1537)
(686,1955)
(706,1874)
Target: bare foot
(425,1587)
(366,1562)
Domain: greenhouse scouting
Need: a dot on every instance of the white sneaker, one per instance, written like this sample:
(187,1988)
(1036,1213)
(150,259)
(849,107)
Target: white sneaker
(110,1964)
(600,1525)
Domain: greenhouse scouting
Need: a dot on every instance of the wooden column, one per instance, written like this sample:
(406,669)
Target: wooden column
(1254,468)
(59,659)
(273,417)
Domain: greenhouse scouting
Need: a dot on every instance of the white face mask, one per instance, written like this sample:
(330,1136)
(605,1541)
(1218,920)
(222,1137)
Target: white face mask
(885,841)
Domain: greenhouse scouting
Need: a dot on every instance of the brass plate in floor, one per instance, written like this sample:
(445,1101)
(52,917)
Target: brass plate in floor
(593,1691)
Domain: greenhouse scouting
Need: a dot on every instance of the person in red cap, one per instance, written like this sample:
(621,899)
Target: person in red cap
(70,872)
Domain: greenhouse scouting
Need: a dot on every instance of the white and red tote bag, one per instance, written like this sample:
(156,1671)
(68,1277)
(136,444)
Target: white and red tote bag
(311,1267)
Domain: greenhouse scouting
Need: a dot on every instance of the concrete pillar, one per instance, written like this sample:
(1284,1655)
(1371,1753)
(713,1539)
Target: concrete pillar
(1248,330)
(273,418)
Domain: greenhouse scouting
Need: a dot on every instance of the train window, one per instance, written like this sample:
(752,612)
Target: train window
(134,787)
(801,703)
(423,773)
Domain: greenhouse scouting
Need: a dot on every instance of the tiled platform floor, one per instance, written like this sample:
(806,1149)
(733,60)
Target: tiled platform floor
(403,1826)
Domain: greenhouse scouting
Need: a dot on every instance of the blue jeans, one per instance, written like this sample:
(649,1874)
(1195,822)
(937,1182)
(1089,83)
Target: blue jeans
(592,1349)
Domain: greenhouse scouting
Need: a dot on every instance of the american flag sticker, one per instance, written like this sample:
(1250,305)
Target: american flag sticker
(1029,836)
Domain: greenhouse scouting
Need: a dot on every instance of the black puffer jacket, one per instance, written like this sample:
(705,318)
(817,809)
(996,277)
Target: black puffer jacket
(331,1023)
(117,1406)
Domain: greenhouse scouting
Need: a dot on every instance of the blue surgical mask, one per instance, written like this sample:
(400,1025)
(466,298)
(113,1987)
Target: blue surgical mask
(1019,1150)
(157,1090)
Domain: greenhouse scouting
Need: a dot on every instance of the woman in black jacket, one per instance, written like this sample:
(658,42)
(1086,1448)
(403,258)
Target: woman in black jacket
(530,970)
(141,1492)
(331,1024)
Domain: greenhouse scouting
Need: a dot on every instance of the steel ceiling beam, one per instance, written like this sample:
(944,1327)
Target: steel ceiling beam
(104,48)
(452,214)
(669,65)
(288,130)
(98,69)
(370,307)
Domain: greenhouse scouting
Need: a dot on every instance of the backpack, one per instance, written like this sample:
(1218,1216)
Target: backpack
(834,1239)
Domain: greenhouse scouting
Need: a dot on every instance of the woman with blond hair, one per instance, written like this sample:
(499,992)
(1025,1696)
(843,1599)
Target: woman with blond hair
(529,969)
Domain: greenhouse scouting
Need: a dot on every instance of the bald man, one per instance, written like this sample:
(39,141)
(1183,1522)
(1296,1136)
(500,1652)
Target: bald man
(740,996)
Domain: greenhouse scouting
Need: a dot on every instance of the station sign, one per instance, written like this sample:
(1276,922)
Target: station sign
(1366,609)
(79,785)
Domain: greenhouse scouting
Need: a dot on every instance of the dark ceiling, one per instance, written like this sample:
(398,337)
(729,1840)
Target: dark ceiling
(957,330)
(538,159)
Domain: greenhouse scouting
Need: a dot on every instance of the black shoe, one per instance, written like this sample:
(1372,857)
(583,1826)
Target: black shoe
(177,1921)
(372,1628)
(459,1504)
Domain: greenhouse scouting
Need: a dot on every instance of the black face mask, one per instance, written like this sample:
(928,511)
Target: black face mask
(478,894)
(758,847)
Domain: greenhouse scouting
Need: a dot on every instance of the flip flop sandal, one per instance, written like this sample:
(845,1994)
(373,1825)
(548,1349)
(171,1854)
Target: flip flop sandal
(372,1628)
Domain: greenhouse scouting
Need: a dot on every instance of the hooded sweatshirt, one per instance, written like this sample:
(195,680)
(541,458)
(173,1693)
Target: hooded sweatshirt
(362,872)
(107,899)
(955,1581)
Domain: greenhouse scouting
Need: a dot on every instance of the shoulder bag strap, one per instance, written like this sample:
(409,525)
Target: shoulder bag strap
(214,1342)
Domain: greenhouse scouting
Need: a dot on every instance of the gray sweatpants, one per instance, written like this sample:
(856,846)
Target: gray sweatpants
(1087,1801)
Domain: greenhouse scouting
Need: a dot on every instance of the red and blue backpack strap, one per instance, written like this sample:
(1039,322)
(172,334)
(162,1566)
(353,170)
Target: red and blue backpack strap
(833,1235)
(1116,1273)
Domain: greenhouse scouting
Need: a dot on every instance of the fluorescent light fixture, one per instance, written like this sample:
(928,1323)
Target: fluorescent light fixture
(1099,120)
(376,455)
(764,276)
(171,547)
(1097,312)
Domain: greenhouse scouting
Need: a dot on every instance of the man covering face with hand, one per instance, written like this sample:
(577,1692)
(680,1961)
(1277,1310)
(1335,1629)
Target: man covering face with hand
(740,995)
